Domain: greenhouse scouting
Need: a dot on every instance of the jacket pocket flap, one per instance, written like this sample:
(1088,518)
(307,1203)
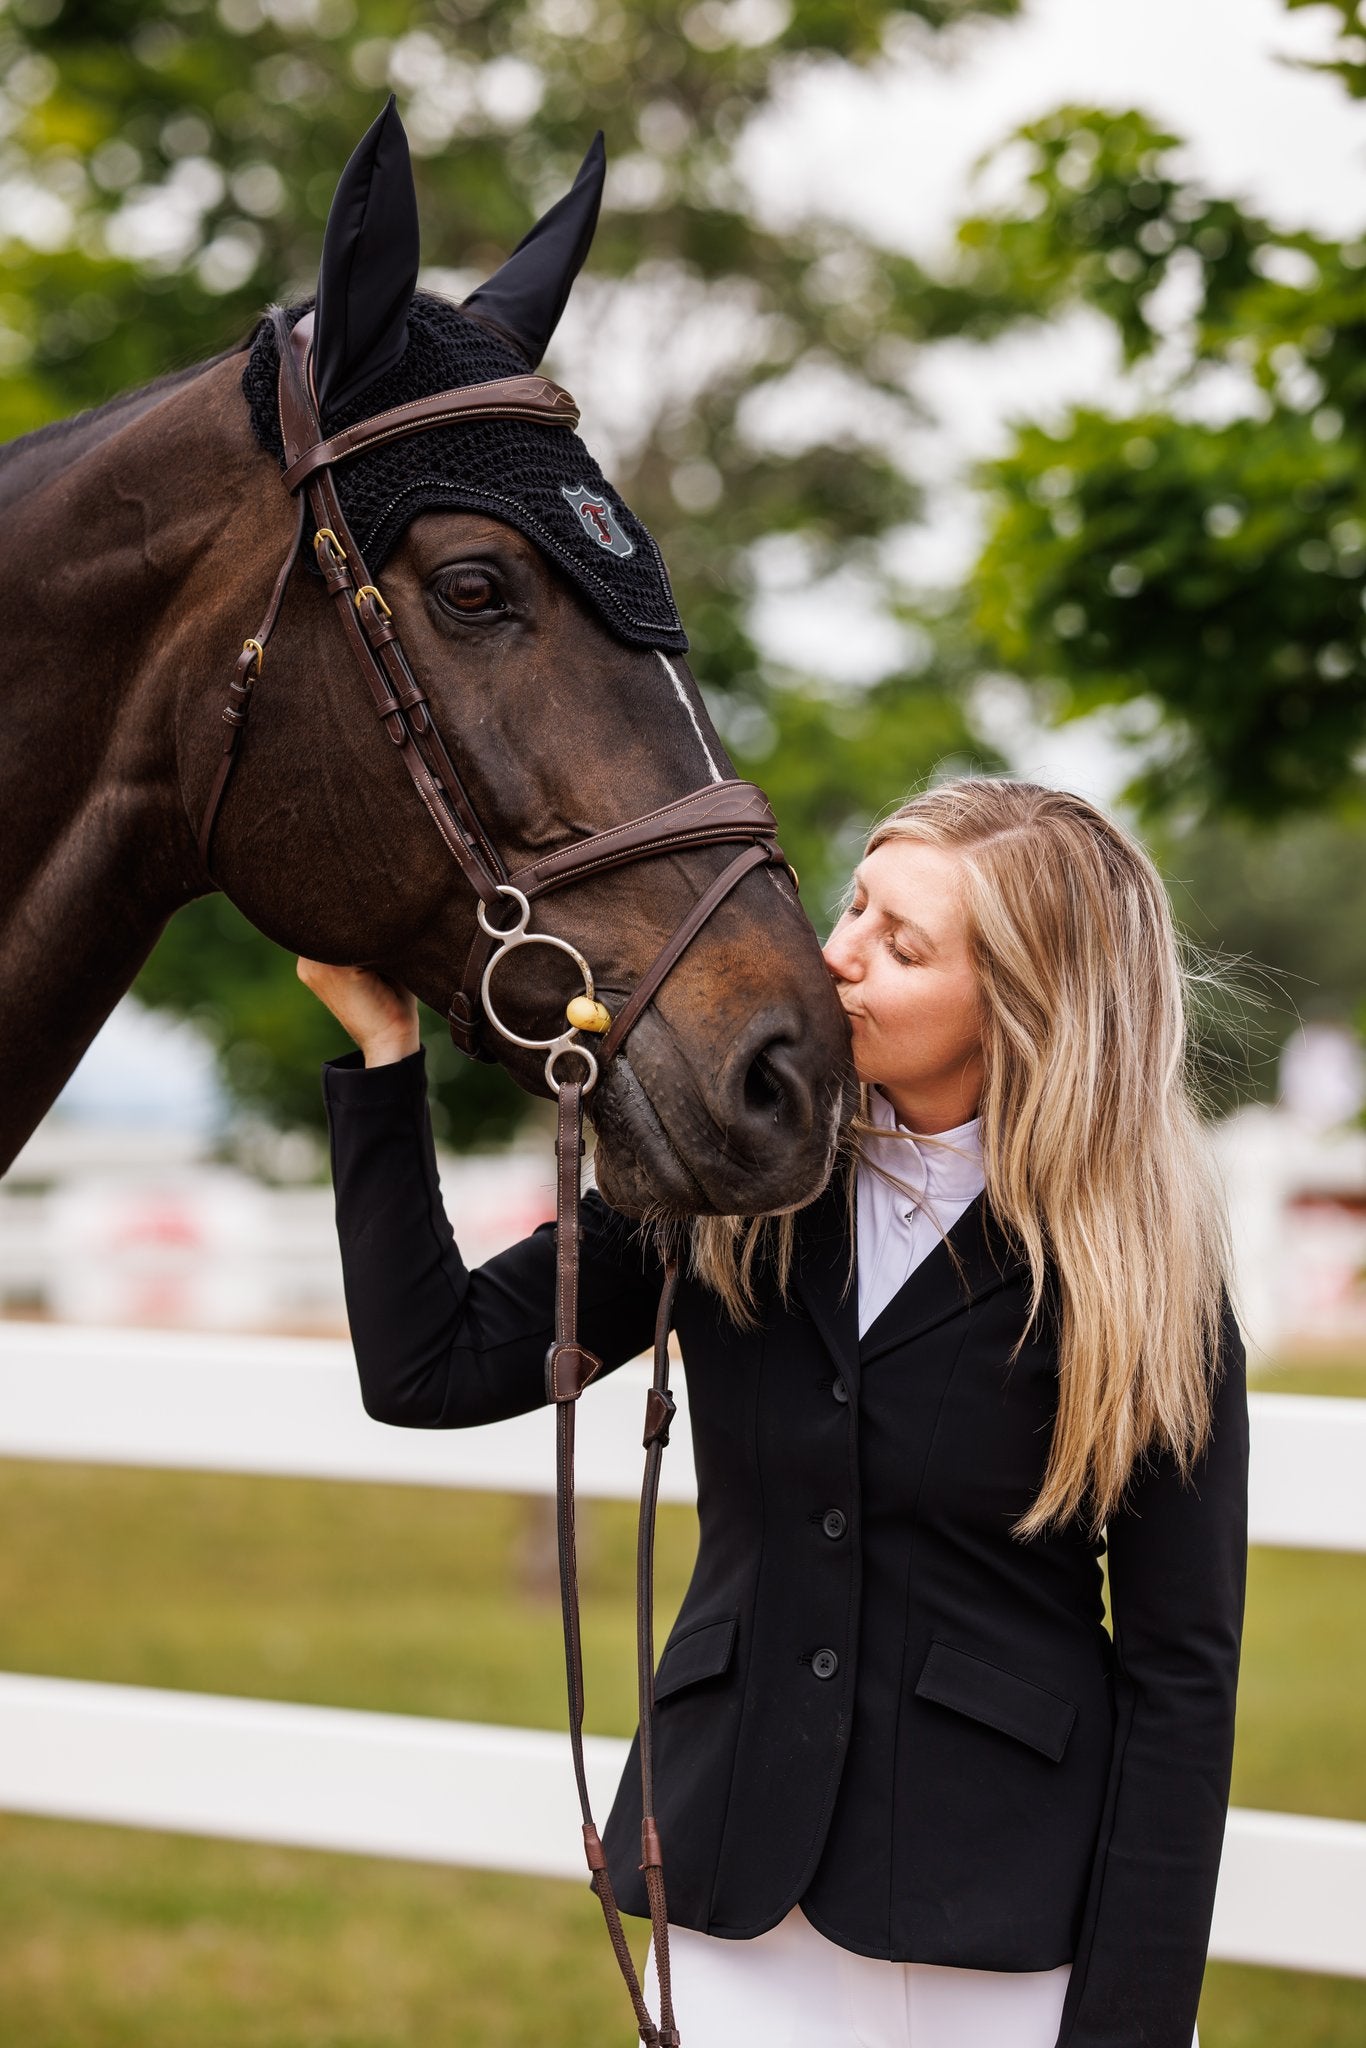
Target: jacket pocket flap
(702,1653)
(956,1678)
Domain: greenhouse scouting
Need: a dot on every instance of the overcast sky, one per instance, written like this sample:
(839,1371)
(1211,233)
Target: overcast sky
(894,151)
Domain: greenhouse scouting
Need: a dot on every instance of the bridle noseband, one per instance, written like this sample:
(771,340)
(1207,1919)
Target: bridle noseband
(718,813)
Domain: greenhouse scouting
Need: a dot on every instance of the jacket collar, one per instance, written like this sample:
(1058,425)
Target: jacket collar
(932,1294)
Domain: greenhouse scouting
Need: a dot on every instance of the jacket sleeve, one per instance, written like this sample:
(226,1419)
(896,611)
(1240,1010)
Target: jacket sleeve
(439,1346)
(1178,1578)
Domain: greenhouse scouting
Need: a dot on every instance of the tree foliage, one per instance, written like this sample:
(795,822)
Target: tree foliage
(1204,546)
(1197,552)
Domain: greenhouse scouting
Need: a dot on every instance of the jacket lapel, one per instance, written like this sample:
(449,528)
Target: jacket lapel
(820,1270)
(934,1291)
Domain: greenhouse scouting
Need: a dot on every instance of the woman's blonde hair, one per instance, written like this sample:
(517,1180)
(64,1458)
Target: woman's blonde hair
(1096,1159)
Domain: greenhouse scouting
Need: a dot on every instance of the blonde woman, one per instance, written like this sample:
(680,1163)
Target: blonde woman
(912,1792)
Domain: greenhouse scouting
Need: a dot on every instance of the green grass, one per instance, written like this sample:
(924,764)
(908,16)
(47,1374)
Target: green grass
(415,1601)
(406,1599)
(1345,1376)
(115,1939)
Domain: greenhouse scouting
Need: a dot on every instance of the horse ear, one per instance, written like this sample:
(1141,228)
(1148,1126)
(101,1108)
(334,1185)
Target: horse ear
(526,297)
(369,266)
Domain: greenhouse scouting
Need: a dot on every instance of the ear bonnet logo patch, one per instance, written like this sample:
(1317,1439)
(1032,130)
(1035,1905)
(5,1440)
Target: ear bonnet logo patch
(595,515)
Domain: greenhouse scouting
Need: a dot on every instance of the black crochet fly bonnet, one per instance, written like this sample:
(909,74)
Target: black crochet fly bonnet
(378,342)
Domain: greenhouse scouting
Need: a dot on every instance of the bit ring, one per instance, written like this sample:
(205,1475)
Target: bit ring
(558,1051)
(510,939)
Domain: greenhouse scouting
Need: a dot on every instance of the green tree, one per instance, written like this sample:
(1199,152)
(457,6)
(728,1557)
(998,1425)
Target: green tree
(1214,567)
(169,170)
(1197,552)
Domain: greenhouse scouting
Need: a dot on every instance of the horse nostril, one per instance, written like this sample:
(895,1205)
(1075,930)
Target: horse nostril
(765,1093)
(764,1089)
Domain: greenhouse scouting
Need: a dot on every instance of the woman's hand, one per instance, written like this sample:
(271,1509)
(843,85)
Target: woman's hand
(379,1016)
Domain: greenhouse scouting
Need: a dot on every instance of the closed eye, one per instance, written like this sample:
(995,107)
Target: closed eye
(903,959)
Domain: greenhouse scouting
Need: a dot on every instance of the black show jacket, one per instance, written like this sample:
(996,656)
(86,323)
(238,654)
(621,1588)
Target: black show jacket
(874,1700)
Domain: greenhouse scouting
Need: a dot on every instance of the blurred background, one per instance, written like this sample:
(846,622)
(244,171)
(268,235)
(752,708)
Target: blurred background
(993,376)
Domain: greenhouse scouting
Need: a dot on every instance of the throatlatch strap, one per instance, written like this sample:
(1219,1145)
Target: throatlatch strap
(250,663)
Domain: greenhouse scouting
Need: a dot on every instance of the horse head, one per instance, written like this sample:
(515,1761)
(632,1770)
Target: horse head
(538,629)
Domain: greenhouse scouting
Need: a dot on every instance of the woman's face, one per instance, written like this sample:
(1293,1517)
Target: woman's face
(900,964)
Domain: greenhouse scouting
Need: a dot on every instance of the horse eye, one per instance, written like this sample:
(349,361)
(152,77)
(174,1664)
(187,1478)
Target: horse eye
(470,592)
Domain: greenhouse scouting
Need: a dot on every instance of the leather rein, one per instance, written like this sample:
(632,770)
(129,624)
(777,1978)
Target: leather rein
(718,813)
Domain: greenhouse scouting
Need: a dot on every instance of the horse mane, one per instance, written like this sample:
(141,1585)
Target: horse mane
(91,426)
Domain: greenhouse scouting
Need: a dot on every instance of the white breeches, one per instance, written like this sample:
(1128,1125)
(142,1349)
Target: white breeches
(792,1988)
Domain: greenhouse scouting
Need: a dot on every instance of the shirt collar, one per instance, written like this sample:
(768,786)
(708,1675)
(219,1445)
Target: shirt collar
(948,1164)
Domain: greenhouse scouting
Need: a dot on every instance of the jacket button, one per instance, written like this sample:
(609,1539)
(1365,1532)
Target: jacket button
(825,1663)
(833,1522)
(840,1391)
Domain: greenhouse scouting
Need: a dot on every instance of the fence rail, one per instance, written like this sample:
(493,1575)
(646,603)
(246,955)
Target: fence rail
(1292,1888)
(291,1406)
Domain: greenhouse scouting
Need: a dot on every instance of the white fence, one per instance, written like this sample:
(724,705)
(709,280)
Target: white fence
(1292,1889)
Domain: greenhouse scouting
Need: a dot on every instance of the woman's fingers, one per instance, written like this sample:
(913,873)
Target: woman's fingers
(376,1013)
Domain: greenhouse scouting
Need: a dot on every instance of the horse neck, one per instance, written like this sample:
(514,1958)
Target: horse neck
(106,608)
(30,462)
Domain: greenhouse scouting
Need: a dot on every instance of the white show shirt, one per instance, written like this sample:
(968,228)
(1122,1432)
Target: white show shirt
(894,1234)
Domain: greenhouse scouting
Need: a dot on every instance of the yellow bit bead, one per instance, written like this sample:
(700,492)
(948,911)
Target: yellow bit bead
(586,1015)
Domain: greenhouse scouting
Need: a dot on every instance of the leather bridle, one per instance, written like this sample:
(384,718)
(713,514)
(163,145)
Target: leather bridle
(718,813)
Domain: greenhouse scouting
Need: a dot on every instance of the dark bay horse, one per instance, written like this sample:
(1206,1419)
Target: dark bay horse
(140,543)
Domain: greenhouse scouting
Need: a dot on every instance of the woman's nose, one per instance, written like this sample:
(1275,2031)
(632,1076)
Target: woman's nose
(840,957)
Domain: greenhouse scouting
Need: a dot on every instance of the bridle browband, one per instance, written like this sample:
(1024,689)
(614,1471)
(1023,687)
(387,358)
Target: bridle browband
(718,813)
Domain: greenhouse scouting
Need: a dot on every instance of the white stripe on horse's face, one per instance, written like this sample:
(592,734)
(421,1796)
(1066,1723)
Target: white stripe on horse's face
(685,700)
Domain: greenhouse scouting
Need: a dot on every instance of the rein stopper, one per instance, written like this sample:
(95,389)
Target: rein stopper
(585,1014)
